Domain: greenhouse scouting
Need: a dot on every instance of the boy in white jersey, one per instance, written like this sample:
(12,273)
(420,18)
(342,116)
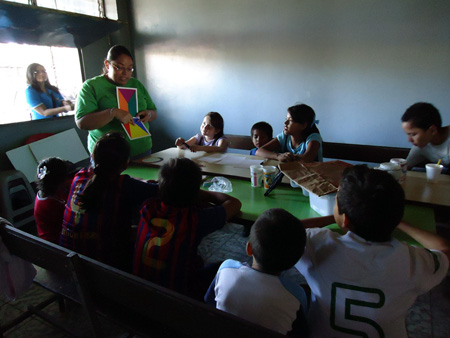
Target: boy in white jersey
(431,141)
(259,293)
(364,282)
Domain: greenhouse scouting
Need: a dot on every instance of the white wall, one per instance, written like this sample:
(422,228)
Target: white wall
(359,64)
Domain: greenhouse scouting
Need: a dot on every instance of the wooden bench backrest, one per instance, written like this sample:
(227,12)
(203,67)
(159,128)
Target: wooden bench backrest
(35,250)
(240,142)
(54,268)
(341,151)
(363,153)
(134,303)
(150,309)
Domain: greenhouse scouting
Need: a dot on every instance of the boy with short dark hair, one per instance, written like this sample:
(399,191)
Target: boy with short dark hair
(258,293)
(431,141)
(261,133)
(364,282)
(172,226)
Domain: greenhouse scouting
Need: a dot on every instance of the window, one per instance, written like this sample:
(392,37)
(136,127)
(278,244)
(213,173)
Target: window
(30,34)
(63,69)
(87,7)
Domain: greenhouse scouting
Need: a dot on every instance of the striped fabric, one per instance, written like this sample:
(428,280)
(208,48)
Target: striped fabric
(104,235)
(166,245)
(167,242)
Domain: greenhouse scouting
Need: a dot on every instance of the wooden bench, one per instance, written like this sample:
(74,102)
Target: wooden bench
(340,151)
(54,272)
(362,153)
(240,142)
(138,306)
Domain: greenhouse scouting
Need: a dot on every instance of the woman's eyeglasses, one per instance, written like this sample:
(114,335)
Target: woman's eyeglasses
(121,69)
(40,72)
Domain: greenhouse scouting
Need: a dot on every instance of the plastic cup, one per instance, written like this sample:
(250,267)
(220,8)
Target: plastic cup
(181,153)
(392,168)
(256,175)
(433,172)
(403,165)
(269,175)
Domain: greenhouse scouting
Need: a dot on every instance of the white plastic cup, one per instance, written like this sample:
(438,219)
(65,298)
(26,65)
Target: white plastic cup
(392,168)
(403,165)
(269,175)
(256,175)
(433,172)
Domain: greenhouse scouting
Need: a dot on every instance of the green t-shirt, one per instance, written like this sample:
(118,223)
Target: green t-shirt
(98,94)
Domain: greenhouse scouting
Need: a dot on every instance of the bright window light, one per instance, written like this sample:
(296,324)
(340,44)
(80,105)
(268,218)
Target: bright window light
(87,7)
(63,69)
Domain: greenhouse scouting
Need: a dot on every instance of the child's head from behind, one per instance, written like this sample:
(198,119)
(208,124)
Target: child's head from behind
(261,133)
(179,182)
(212,126)
(52,173)
(110,157)
(303,117)
(372,201)
(111,154)
(421,122)
(277,241)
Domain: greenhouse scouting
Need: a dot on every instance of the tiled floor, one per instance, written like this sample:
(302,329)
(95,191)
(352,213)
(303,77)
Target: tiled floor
(428,318)
(73,318)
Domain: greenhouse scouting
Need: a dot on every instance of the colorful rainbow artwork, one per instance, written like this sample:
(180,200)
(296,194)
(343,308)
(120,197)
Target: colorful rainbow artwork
(127,100)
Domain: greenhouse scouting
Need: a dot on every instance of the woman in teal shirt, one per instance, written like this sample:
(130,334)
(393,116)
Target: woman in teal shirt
(44,99)
(97,107)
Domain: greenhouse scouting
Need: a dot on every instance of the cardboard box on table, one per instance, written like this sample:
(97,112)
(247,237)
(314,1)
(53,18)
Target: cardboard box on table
(320,179)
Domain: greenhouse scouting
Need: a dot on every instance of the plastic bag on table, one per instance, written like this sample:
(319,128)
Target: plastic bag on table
(220,184)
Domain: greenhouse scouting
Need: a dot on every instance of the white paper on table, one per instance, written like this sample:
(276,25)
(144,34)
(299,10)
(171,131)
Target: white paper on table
(248,162)
(231,160)
(235,161)
(214,158)
(189,154)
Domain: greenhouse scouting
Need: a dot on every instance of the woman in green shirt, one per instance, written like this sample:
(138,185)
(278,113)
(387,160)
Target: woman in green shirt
(97,106)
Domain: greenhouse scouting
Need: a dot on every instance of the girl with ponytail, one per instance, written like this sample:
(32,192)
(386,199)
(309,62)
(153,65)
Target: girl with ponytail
(102,204)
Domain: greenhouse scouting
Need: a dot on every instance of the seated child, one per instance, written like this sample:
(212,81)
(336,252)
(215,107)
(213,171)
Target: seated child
(431,142)
(211,139)
(172,227)
(101,205)
(364,282)
(259,293)
(261,133)
(54,176)
(300,139)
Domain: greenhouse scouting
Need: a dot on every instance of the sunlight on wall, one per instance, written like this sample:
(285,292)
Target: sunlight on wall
(173,73)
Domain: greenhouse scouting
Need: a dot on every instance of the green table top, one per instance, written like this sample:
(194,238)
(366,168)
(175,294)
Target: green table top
(254,203)
(253,200)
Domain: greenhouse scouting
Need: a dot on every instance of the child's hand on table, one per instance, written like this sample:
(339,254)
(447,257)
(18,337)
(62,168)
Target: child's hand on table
(194,148)
(286,157)
(179,141)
